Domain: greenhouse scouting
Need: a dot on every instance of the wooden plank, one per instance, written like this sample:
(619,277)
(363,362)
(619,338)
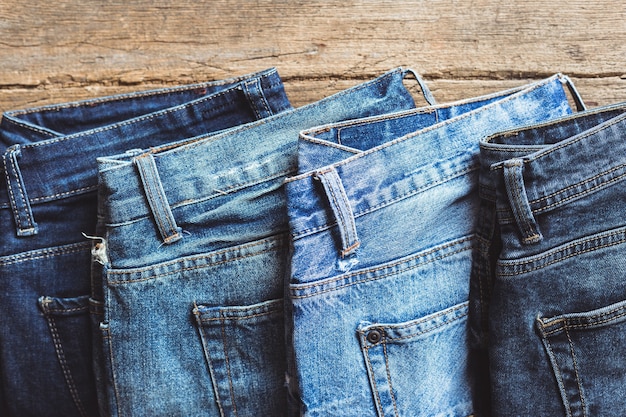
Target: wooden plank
(595,92)
(70,49)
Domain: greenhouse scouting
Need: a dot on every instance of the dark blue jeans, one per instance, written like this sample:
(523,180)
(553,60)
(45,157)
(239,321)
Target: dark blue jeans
(48,200)
(554,235)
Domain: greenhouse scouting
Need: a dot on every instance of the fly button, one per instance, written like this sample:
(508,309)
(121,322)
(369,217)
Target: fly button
(374,336)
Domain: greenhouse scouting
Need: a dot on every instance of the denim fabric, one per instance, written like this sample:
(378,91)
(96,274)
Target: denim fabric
(382,229)
(48,199)
(191,264)
(556,318)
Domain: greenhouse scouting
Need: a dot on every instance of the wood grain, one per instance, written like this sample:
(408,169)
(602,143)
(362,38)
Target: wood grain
(71,49)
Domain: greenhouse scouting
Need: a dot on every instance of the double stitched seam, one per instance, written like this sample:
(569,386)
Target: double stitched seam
(112,361)
(411,193)
(584,135)
(575,362)
(345,237)
(559,378)
(182,147)
(29,127)
(393,398)
(132,121)
(12,196)
(160,202)
(63,362)
(429,329)
(373,379)
(530,233)
(560,259)
(132,96)
(250,316)
(112,283)
(376,278)
(567,325)
(463,116)
(581,193)
(395,264)
(45,254)
(195,258)
(207,356)
(230,379)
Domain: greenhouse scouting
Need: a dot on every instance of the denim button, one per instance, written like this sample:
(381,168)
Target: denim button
(374,336)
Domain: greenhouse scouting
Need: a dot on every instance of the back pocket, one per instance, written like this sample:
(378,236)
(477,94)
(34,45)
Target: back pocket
(69,323)
(587,355)
(245,352)
(420,367)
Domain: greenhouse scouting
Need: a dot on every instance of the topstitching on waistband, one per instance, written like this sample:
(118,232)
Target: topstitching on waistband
(573,168)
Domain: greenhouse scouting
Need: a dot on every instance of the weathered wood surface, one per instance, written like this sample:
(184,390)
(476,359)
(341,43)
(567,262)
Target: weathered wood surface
(74,49)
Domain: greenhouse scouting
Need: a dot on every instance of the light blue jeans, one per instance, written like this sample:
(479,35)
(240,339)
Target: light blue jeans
(191,261)
(382,220)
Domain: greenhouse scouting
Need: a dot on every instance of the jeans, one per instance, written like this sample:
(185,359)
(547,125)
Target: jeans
(556,319)
(382,222)
(48,199)
(191,261)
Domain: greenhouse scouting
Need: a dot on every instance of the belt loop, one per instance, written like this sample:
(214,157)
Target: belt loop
(428,95)
(580,105)
(340,206)
(157,200)
(518,200)
(256,98)
(22,212)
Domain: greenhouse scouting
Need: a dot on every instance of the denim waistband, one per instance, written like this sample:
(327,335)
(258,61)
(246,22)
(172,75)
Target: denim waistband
(152,183)
(403,167)
(576,159)
(52,169)
(36,124)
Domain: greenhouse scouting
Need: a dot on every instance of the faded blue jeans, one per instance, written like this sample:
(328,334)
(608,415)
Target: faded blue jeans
(382,219)
(190,264)
(48,199)
(557,316)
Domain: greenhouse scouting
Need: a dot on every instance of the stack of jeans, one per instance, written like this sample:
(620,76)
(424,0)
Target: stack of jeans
(208,250)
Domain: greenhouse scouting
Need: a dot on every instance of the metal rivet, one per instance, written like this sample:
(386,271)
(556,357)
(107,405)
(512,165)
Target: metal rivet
(374,336)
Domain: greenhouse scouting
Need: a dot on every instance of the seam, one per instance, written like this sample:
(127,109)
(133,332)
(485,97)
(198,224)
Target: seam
(514,96)
(373,380)
(559,377)
(185,146)
(278,244)
(158,200)
(445,312)
(64,367)
(223,318)
(411,193)
(130,281)
(393,398)
(567,325)
(396,263)
(575,362)
(429,329)
(167,91)
(134,120)
(376,278)
(46,253)
(230,378)
(10,156)
(587,191)
(207,358)
(560,259)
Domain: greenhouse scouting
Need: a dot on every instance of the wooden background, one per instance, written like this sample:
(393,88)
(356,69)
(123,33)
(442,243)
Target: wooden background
(56,51)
